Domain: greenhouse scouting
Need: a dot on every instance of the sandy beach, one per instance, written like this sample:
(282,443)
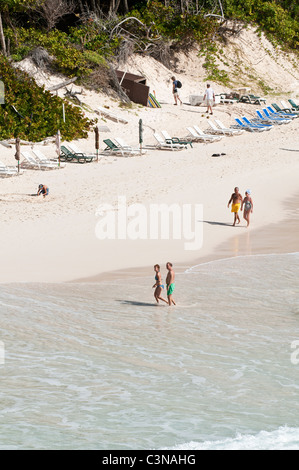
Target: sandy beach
(54,239)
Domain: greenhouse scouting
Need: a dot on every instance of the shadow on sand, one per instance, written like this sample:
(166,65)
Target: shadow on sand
(137,303)
(224,224)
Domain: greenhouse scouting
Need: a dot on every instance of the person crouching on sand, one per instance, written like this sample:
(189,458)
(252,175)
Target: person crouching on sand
(170,283)
(158,284)
(43,189)
(236,200)
(248,206)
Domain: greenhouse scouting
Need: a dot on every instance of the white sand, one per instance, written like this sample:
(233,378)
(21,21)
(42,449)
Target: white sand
(53,239)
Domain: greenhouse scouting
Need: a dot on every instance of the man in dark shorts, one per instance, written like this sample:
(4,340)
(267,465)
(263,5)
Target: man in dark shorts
(175,91)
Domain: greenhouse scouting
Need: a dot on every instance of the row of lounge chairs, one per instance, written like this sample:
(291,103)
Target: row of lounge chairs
(265,120)
(195,134)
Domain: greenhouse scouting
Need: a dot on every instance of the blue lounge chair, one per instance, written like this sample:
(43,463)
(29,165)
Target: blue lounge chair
(242,125)
(264,127)
(278,119)
(265,119)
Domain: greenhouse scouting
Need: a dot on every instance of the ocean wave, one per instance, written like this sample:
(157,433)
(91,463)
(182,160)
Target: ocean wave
(283,438)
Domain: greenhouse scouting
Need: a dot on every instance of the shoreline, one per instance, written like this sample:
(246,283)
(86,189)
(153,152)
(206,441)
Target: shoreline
(251,243)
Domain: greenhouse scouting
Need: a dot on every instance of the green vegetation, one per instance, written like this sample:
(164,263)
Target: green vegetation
(80,39)
(32,113)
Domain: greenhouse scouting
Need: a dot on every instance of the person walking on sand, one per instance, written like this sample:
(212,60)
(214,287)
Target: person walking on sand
(158,284)
(247,203)
(236,200)
(43,189)
(170,283)
(175,91)
(210,96)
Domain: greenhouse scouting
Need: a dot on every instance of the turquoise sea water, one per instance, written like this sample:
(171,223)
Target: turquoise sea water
(100,366)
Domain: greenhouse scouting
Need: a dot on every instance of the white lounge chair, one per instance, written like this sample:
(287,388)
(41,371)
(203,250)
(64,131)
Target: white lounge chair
(31,163)
(219,131)
(6,171)
(41,158)
(75,149)
(227,129)
(213,138)
(163,145)
(194,136)
(176,140)
(128,148)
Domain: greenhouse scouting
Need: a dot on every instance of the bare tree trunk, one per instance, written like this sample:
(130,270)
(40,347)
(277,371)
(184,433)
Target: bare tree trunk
(2,37)
(112,6)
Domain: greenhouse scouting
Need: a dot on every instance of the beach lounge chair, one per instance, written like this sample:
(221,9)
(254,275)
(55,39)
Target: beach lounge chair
(176,140)
(6,171)
(252,99)
(162,144)
(262,118)
(31,163)
(263,127)
(127,148)
(284,111)
(70,156)
(247,127)
(114,149)
(293,104)
(195,137)
(275,118)
(282,114)
(286,107)
(213,138)
(219,131)
(75,149)
(228,130)
(40,157)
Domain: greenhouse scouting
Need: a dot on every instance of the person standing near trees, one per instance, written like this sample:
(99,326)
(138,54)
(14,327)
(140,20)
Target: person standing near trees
(175,91)
(210,95)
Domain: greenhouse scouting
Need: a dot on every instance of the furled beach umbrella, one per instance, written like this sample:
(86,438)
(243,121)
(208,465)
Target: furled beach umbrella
(57,143)
(140,135)
(18,152)
(97,141)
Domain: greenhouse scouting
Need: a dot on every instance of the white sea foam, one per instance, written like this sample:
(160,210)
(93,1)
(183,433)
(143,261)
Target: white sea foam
(284,438)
